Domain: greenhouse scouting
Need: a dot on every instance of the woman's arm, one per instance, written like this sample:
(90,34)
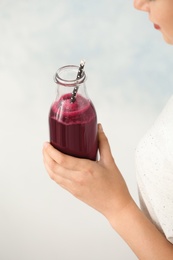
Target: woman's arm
(101,186)
(146,241)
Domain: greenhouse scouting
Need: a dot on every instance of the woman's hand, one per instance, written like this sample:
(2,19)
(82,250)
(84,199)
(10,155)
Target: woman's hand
(101,185)
(97,183)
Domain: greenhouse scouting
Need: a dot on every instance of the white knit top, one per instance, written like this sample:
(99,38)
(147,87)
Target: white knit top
(154,166)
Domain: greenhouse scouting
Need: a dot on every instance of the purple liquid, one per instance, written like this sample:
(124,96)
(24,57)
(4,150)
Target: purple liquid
(73,127)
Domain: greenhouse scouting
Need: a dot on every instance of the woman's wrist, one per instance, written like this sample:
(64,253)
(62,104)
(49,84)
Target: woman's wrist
(116,215)
(142,236)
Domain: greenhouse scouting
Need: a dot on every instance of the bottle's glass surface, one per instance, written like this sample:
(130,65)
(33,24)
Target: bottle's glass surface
(73,125)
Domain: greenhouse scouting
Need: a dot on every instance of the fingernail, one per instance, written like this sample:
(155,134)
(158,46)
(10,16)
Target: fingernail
(100,128)
(46,144)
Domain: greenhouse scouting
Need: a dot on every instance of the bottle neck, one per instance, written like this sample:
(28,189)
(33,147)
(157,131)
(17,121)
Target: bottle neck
(67,82)
(67,76)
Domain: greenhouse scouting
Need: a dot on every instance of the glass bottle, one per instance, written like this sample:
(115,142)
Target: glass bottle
(72,117)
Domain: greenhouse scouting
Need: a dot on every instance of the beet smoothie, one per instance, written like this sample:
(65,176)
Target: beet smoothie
(73,127)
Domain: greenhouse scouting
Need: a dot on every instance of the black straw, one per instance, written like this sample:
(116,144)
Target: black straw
(79,75)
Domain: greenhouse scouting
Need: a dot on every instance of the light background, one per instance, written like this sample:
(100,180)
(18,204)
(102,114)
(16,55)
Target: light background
(129,69)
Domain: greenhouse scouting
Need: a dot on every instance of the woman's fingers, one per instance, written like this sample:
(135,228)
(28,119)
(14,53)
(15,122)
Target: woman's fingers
(72,180)
(62,167)
(58,173)
(64,160)
(55,158)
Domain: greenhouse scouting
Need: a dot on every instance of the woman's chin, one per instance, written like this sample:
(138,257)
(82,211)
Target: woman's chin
(168,40)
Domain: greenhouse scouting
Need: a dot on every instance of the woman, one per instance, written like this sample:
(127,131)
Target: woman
(149,233)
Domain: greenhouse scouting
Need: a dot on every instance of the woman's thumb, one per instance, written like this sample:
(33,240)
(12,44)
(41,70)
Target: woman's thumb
(104,147)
